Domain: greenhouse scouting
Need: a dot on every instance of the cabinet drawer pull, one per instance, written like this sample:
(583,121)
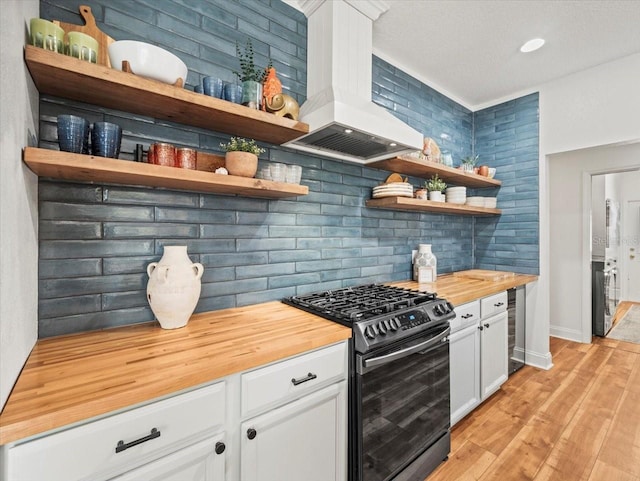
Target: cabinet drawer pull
(308,377)
(122,445)
(251,433)
(467,316)
(487,325)
(499,304)
(220,447)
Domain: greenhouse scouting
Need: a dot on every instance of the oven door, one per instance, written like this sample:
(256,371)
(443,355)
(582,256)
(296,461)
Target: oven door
(401,403)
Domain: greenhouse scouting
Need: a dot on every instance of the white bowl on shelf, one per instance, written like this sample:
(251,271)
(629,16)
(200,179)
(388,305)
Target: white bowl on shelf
(490,202)
(147,60)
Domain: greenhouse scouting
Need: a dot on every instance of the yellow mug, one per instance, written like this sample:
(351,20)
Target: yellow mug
(46,34)
(82,46)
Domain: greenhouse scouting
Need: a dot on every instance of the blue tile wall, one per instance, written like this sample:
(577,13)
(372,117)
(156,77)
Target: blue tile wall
(506,137)
(96,240)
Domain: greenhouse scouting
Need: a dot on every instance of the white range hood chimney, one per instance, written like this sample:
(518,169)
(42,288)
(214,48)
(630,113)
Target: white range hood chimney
(343,121)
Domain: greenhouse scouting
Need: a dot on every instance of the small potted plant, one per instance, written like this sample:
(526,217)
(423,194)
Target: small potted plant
(435,185)
(242,156)
(251,76)
(469,163)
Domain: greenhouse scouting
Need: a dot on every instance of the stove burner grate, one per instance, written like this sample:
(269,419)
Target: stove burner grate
(353,304)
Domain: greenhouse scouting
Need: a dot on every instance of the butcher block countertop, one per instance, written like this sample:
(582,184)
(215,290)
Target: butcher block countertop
(459,290)
(74,378)
(77,377)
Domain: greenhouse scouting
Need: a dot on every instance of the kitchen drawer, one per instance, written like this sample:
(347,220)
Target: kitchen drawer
(493,304)
(88,452)
(466,315)
(285,380)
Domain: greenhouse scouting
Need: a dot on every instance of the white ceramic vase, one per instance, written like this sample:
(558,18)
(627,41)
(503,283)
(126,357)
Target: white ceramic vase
(425,265)
(173,289)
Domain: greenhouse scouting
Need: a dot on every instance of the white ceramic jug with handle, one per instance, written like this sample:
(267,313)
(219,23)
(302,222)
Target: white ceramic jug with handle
(174,286)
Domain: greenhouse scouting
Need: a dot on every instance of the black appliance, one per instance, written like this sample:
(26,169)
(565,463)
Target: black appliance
(399,413)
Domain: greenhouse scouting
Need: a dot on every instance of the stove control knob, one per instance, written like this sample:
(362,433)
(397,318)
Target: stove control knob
(438,309)
(382,329)
(370,332)
(393,324)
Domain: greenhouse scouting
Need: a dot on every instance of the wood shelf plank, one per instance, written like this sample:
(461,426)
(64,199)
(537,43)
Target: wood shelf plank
(88,168)
(411,204)
(426,168)
(68,77)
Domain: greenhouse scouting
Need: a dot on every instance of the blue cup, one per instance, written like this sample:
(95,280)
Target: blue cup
(233,92)
(73,134)
(198,89)
(212,86)
(105,139)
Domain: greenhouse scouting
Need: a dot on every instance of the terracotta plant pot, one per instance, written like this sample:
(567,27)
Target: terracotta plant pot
(244,164)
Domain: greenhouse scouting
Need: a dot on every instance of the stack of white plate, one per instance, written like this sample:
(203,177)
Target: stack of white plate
(393,189)
(475,201)
(490,202)
(456,195)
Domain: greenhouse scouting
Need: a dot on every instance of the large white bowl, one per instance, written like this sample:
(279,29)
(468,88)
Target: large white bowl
(148,61)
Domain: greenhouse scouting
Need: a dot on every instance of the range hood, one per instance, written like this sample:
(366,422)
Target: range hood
(343,121)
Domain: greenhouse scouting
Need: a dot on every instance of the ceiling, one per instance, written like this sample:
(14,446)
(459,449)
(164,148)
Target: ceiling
(469,49)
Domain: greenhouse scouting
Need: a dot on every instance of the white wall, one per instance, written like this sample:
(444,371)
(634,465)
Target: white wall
(18,197)
(592,108)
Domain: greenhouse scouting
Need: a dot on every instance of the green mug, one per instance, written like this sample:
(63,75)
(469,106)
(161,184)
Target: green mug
(46,34)
(82,46)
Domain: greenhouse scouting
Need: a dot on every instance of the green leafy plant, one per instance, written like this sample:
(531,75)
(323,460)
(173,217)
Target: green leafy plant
(238,144)
(471,160)
(248,69)
(435,184)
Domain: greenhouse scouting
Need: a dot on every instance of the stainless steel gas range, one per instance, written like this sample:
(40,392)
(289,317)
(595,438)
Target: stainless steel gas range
(399,377)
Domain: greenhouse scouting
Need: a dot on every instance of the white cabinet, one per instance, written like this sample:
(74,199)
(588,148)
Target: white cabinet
(203,461)
(494,362)
(303,440)
(478,353)
(464,353)
(114,445)
(295,419)
(297,409)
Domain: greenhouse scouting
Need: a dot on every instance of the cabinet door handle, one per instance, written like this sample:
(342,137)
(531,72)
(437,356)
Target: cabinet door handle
(467,316)
(251,433)
(499,304)
(122,445)
(487,325)
(308,377)
(220,447)
(481,328)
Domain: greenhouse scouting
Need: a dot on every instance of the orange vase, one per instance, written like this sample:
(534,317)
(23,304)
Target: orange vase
(272,86)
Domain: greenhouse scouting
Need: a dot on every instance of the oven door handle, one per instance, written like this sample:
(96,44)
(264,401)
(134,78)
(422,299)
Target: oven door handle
(434,341)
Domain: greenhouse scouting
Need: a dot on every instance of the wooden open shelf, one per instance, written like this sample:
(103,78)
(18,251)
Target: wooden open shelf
(87,168)
(71,78)
(425,169)
(411,204)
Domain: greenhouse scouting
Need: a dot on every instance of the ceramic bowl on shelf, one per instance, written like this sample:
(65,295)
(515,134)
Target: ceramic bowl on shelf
(490,202)
(147,60)
(492,172)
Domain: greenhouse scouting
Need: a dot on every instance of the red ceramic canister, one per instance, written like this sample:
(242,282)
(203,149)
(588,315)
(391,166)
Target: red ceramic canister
(165,154)
(186,158)
(151,154)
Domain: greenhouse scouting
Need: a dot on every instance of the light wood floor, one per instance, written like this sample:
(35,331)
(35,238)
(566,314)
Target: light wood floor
(578,421)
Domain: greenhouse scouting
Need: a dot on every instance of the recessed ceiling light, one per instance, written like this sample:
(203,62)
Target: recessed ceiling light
(393,144)
(348,131)
(531,45)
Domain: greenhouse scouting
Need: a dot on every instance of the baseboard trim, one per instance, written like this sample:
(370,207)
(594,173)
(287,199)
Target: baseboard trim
(539,360)
(565,333)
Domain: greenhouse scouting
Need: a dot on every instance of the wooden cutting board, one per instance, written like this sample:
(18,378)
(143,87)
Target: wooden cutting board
(91,29)
(484,275)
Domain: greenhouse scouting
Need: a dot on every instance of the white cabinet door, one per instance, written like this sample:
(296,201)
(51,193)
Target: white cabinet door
(464,355)
(494,358)
(303,440)
(199,462)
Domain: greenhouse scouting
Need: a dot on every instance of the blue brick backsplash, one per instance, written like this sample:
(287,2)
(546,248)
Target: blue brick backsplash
(96,240)
(506,137)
